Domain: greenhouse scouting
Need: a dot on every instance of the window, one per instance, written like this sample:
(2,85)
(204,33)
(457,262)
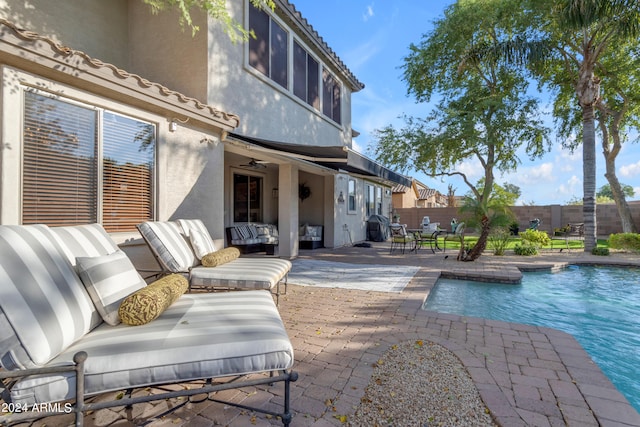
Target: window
(306,76)
(351,195)
(247,198)
(369,194)
(331,98)
(379,200)
(83,164)
(269,50)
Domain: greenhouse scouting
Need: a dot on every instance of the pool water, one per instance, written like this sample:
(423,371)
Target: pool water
(599,306)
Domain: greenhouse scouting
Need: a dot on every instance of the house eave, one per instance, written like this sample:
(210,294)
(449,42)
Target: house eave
(40,55)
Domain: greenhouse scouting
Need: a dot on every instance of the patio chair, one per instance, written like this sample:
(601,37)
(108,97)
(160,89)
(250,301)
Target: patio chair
(573,231)
(458,234)
(400,236)
(175,247)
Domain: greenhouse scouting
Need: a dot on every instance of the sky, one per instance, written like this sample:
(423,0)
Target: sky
(372,38)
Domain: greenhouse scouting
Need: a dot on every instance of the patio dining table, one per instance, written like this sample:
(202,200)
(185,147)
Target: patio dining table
(421,237)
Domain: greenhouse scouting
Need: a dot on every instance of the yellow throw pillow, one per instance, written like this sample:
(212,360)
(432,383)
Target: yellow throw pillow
(148,303)
(220,257)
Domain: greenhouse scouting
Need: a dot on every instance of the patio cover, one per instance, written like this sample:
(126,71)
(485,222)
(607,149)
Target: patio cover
(334,157)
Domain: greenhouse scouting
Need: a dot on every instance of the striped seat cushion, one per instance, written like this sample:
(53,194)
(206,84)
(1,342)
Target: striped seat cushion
(44,307)
(199,336)
(242,273)
(169,245)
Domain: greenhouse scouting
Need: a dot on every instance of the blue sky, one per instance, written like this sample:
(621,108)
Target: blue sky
(373,37)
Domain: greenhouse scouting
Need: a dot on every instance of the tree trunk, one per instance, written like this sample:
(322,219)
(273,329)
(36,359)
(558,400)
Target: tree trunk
(588,92)
(624,212)
(589,178)
(480,245)
(611,132)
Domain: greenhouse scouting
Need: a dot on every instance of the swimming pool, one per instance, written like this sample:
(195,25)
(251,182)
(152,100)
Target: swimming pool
(599,306)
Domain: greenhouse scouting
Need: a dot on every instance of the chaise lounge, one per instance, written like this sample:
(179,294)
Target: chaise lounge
(65,294)
(180,247)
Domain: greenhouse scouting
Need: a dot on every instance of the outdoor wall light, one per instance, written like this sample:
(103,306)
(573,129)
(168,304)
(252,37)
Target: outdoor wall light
(341,198)
(173,124)
(274,193)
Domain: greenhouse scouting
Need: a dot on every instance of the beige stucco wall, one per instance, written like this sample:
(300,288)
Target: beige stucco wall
(70,21)
(163,52)
(267,111)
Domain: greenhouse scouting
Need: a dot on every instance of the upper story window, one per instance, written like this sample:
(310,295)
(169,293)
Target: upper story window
(331,97)
(269,51)
(306,76)
(83,164)
(310,82)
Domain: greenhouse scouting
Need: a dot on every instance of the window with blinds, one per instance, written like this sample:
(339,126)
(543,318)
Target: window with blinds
(83,165)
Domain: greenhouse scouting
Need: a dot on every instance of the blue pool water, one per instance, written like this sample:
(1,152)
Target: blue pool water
(599,306)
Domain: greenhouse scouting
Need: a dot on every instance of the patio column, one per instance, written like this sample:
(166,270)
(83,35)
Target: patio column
(288,210)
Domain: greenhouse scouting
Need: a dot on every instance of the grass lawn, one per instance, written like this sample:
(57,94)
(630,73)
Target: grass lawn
(453,243)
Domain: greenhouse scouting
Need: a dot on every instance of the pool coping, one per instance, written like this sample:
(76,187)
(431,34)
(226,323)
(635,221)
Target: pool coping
(583,392)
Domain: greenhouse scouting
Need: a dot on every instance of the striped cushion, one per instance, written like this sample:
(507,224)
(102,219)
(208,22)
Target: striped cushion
(42,300)
(199,336)
(109,279)
(198,235)
(88,240)
(242,273)
(169,245)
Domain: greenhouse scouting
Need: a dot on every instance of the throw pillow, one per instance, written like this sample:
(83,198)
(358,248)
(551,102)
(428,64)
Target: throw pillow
(220,257)
(201,243)
(148,303)
(108,280)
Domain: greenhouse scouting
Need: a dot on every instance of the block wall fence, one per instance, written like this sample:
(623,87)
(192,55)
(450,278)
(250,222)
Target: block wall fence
(552,216)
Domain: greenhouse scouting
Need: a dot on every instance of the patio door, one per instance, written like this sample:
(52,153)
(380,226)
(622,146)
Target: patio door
(247,198)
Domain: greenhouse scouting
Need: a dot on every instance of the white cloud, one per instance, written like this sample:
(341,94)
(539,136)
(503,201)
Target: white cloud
(368,13)
(630,170)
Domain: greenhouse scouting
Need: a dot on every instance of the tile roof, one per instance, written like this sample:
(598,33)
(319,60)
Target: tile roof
(12,36)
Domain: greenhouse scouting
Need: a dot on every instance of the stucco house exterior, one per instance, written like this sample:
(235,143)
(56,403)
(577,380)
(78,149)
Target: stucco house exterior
(157,124)
(417,195)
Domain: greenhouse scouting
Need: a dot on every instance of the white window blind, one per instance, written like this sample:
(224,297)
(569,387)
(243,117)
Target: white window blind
(65,153)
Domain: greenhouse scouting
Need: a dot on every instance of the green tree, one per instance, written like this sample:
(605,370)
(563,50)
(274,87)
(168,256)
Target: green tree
(217,9)
(563,42)
(605,191)
(484,216)
(506,195)
(483,114)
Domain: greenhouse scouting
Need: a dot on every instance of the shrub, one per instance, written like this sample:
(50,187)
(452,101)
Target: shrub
(627,241)
(536,238)
(499,239)
(600,251)
(525,249)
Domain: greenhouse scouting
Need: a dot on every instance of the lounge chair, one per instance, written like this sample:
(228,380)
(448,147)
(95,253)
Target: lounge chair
(60,343)
(173,244)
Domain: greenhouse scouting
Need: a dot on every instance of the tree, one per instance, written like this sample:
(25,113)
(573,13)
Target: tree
(605,191)
(483,114)
(567,40)
(217,9)
(484,215)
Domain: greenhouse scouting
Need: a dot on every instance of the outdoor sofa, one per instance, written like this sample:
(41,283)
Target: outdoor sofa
(311,236)
(180,246)
(60,341)
(249,238)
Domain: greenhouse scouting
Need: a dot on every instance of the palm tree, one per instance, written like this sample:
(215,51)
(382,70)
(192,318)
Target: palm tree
(483,215)
(567,39)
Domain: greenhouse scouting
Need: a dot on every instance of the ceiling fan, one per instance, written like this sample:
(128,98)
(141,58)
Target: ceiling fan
(255,164)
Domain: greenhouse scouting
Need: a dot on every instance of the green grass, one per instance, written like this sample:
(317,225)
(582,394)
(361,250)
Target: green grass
(555,243)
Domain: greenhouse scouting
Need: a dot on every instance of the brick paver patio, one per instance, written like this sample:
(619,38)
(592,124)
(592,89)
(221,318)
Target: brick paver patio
(526,375)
